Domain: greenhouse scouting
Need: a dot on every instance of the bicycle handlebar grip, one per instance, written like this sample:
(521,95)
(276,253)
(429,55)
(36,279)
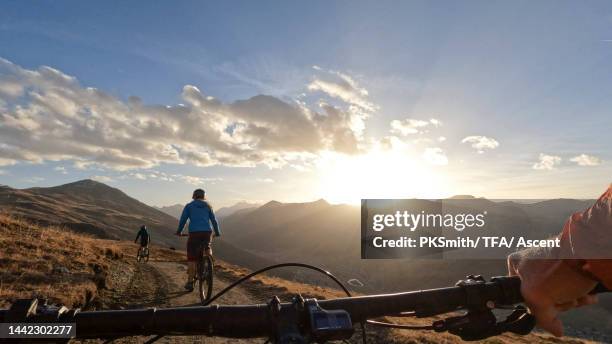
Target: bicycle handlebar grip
(510,289)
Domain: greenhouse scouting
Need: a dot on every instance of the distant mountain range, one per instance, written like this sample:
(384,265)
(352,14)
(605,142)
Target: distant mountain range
(176,209)
(329,235)
(240,208)
(172,210)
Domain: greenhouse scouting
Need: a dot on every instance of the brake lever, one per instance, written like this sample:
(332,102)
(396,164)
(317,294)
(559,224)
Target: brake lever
(520,322)
(478,325)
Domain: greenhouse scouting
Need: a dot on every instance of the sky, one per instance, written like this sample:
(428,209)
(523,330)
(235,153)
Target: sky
(296,101)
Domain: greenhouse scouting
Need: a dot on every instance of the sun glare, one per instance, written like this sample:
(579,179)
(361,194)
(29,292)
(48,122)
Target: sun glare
(378,174)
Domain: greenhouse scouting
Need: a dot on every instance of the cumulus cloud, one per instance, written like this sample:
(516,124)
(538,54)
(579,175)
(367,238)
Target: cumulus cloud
(139,176)
(61,169)
(547,162)
(46,115)
(586,160)
(198,181)
(411,126)
(7,162)
(407,126)
(167,177)
(435,122)
(342,86)
(435,156)
(481,143)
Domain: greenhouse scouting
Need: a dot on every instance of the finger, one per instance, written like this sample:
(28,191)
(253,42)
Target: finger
(547,319)
(566,306)
(513,262)
(587,300)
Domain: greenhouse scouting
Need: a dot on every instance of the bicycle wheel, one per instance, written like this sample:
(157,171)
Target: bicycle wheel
(205,277)
(138,255)
(146,255)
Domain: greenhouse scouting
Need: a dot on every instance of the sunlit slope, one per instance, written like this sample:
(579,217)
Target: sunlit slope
(91,207)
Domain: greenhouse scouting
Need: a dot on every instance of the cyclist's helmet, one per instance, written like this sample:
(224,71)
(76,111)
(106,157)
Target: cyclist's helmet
(198,194)
(143,227)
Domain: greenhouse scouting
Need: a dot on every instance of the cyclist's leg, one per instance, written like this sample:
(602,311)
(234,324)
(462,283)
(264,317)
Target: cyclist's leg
(192,256)
(208,244)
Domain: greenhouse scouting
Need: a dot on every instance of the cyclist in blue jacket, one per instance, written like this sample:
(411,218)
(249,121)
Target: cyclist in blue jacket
(202,222)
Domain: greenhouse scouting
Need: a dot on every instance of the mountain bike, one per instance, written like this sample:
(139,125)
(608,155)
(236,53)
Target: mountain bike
(143,254)
(204,273)
(471,303)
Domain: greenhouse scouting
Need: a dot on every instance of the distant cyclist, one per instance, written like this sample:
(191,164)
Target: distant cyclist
(202,222)
(145,237)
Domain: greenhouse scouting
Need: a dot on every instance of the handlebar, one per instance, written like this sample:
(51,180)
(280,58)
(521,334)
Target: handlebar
(474,294)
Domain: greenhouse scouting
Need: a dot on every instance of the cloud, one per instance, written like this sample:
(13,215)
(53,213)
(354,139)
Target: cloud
(586,160)
(198,181)
(47,115)
(411,126)
(61,169)
(139,176)
(162,176)
(7,162)
(547,162)
(102,179)
(407,126)
(3,172)
(435,156)
(435,122)
(342,86)
(481,143)
(264,180)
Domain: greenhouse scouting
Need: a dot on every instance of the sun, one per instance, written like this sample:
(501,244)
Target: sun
(378,173)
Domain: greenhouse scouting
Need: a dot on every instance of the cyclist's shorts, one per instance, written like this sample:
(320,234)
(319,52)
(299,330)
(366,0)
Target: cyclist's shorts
(194,242)
(144,242)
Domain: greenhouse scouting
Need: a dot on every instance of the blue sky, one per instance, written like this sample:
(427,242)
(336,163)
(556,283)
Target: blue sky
(520,92)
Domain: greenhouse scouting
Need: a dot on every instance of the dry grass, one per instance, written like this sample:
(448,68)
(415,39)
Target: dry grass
(32,256)
(63,266)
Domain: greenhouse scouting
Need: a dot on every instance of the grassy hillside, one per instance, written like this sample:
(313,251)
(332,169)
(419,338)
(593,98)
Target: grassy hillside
(66,267)
(89,207)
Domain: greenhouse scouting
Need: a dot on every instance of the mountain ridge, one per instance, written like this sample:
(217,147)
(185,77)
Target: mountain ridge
(91,207)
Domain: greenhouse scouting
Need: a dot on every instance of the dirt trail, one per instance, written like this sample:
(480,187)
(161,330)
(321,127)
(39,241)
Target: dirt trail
(160,284)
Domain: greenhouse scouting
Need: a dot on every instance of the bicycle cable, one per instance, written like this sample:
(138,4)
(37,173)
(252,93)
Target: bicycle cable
(271,267)
(315,268)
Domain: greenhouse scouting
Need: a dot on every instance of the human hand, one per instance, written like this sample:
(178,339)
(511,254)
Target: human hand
(550,286)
